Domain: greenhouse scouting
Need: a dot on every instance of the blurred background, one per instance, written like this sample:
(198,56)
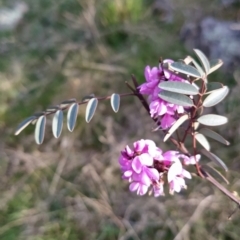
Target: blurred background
(71,187)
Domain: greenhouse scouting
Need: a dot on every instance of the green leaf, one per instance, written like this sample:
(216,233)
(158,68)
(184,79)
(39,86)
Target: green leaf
(203,60)
(57,123)
(215,64)
(186,69)
(215,97)
(115,102)
(179,87)
(212,120)
(40,129)
(72,116)
(52,109)
(88,97)
(34,121)
(175,126)
(176,98)
(213,86)
(91,108)
(24,124)
(202,140)
(209,133)
(68,102)
(198,67)
(39,114)
(215,172)
(214,158)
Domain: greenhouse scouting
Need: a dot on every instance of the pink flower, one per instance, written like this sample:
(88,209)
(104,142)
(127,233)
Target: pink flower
(158,189)
(145,166)
(190,160)
(176,175)
(159,108)
(137,165)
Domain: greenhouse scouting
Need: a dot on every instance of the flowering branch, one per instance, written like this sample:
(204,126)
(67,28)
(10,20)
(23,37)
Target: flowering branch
(177,94)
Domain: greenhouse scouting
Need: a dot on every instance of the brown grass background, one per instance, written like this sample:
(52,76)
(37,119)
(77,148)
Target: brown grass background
(71,187)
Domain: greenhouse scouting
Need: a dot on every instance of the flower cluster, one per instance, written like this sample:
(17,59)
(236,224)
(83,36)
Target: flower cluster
(146,166)
(159,107)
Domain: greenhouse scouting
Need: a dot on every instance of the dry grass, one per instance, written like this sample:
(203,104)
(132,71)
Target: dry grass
(71,188)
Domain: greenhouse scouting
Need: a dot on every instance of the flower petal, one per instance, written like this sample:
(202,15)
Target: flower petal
(146,159)
(134,186)
(174,170)
(186,174)
(128,173)
(142,190)
(167,121)
(137,165)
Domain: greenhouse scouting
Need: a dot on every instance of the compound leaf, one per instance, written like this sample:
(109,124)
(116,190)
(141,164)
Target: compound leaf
(212,120)
(24,124)
(72,116)
(216,97)
(68,102)
(179,87)
(177,124)
(40,129)
(91,108)
(88,97)
(214,158)
(186,69)
(176,98)
(213,86)
(215,64)
(57,123)
(115,102)
(214,135)
(203,60)
(202,140)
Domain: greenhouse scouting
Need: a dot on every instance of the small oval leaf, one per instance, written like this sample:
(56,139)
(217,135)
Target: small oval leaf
(57,123)
(215,97)
(72,116)
(215,172)
(186,69)
(176,98)
(91,108)
(202,140)
(215,64)
(68,102)
(179,87)
(174,127)
(214,158)
(38,114)
(213,86)
(34,121)
(212,120)
(40,129)
(24,124)
(203,60)
(198,67)
(115,102)
(52,109)
(214,135)
(88,97)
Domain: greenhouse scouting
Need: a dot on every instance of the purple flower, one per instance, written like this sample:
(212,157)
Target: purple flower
(190,160)
(137,165)
(160,108)
(145,166)
(176,175)
(158,189)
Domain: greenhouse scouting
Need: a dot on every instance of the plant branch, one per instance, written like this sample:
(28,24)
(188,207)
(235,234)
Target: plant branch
(208,177)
